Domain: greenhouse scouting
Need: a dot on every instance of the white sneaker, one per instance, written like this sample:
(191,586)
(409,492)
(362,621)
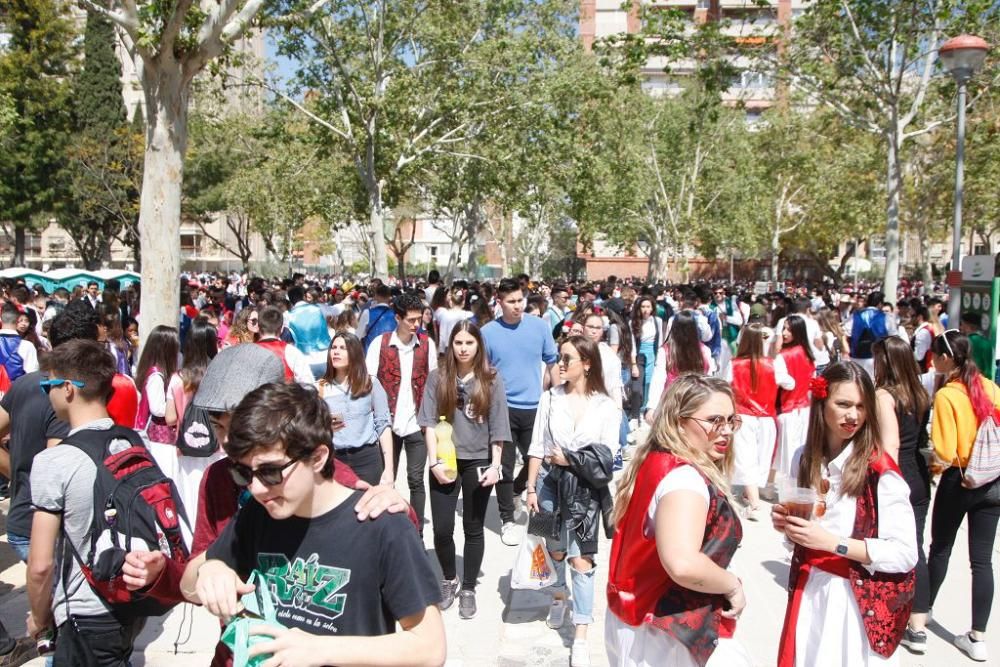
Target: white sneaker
(750,513)
(557,613)
(973,649)
(579,654)
(633,425)
(510,534)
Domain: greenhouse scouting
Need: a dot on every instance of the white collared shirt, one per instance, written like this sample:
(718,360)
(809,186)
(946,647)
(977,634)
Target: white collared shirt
(404,420)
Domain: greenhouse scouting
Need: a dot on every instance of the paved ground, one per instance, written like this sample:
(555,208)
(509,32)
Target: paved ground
(510,630)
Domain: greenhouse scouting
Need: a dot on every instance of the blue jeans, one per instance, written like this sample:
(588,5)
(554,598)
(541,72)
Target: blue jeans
(583,582)
(19,544)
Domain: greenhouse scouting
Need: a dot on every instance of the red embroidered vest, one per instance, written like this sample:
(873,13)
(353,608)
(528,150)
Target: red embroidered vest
(390,376)
(277,348)
(639,589)
(885,599)
(759,402)
(802,371)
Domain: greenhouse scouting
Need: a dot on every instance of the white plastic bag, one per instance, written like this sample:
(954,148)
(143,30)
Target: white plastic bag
(533,567)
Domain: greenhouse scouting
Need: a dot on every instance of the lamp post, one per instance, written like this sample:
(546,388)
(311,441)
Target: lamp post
(961,57)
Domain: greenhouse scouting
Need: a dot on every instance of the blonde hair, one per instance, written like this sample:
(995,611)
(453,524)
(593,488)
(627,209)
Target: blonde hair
(681,400)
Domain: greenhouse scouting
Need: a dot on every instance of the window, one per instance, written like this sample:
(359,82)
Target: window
(190,242)
(433,250)
(749,80)
(876,248)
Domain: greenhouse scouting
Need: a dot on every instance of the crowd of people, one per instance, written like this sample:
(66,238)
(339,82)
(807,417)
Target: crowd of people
(274,417)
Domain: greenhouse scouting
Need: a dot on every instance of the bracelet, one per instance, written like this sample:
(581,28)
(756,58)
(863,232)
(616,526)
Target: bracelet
(431,467)
(531,492)
(738,586)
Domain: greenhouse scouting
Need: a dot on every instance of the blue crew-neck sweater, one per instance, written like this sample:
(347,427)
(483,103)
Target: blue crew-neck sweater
(518,352)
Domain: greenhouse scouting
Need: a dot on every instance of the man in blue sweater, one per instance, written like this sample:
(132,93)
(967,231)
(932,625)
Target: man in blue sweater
(519,347)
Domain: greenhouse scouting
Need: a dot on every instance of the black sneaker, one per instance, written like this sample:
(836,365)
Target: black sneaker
(467,604)
(448,589)
(915,640)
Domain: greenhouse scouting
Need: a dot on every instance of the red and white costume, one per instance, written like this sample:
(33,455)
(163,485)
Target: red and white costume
(793,422)
(841,612)
(754,443)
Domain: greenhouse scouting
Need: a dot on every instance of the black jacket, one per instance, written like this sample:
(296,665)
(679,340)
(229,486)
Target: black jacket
(584,495)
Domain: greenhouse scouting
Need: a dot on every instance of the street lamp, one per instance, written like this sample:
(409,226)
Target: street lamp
(961,57)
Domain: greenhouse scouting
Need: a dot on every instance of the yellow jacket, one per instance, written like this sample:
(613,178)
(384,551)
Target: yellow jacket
(953,430)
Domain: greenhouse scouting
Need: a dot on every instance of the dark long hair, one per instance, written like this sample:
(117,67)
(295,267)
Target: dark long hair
(160,350)
(751,347)
(358,380)
(637,315)
(625,341)
(866,442)
(796,325)
(956,345)
(685,346)
(897,372)
(447,385)
(200,347)
(591,354)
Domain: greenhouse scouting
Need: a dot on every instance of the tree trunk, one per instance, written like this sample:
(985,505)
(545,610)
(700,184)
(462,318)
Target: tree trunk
(893,185)
(17,260)
(657,263)
(376,224)
(166,94)
(926,269)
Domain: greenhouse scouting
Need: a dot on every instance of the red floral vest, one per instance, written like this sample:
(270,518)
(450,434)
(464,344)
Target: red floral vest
(802,371)
(762,401)
(639,589)
(885,600)
(389,373)
(277,348)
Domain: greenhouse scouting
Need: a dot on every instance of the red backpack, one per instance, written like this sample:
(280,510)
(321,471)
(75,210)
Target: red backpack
(136,508)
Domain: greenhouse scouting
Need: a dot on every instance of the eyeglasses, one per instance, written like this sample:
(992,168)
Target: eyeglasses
(566,360)
(269,475)
(47,385)
(720,422)
(947,344)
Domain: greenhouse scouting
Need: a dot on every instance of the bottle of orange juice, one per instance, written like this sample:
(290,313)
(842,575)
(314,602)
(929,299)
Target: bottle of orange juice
(446,449)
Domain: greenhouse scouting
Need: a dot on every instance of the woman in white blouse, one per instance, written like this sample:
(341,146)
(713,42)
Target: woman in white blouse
(851,580)
(572,416)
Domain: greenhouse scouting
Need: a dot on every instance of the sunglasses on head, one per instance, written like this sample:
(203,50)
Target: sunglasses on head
(268,474)
(947,343)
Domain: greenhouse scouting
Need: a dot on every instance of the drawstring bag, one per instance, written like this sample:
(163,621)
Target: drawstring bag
(533,567)
(258,608)
(984,459)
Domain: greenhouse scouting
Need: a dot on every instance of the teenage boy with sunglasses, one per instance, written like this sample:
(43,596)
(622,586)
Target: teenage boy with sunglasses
(363,577)
(62,493)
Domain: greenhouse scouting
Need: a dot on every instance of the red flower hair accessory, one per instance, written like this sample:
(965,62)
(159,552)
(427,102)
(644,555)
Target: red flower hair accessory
(819,387)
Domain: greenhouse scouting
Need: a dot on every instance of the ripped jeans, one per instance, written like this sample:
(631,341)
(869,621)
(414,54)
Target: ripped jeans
(583,582)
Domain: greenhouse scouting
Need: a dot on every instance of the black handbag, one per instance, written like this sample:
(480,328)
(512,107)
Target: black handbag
(547,524)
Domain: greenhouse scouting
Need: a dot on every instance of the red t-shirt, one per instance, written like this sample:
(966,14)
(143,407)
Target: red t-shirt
(124,402)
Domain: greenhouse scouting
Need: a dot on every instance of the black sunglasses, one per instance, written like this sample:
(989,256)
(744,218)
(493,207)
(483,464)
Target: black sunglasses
(269,475)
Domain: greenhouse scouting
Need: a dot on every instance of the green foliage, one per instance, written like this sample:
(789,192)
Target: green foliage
(34,80)
(104,162)
(271,177)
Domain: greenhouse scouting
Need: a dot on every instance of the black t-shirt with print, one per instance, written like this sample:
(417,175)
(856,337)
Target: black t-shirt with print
(333,574)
